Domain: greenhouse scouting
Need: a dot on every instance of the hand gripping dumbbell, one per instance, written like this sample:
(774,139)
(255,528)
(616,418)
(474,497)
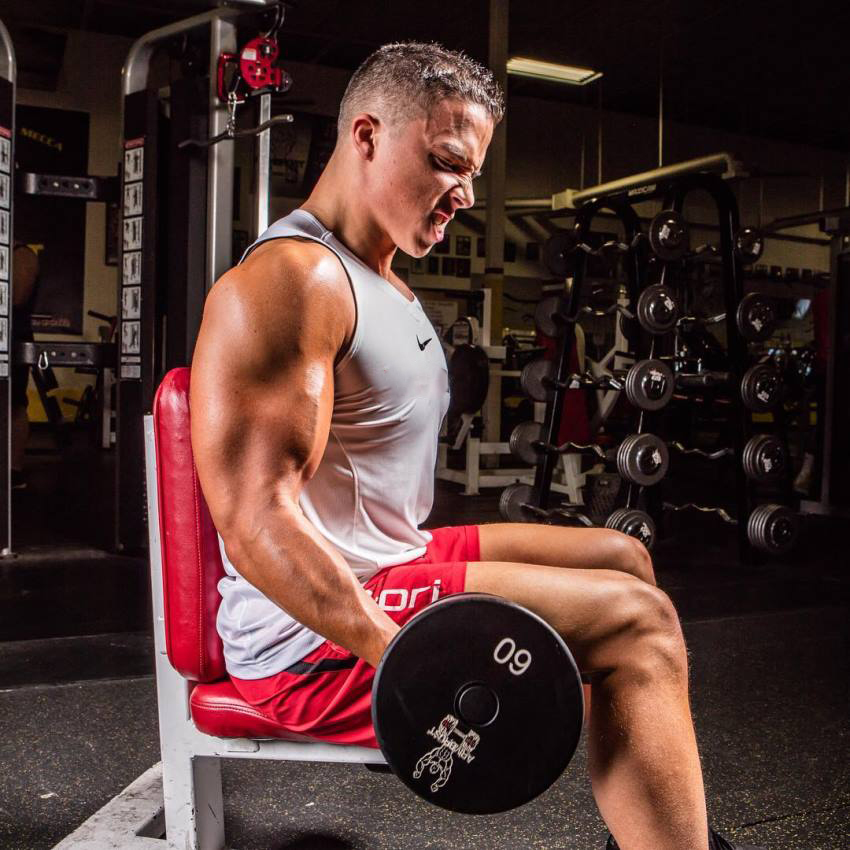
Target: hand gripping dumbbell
(648,383)
(641,459)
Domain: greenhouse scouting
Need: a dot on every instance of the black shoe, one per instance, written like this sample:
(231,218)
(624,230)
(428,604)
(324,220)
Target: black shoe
(715,842)
(19,481)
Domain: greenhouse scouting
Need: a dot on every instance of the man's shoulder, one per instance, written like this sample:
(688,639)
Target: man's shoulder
(284,287)
(294,257)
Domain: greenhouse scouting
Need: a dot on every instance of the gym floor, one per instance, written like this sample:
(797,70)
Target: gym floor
(768,645)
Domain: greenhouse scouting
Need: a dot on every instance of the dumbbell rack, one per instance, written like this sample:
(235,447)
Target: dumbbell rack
(640,264)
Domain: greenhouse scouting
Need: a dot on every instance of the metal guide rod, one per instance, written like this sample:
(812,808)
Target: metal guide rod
(264,165)
(134,76)
(9,69)
(8,66)
(220,163)
(720,163)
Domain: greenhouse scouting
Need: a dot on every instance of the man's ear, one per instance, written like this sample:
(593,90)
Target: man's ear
(364,132)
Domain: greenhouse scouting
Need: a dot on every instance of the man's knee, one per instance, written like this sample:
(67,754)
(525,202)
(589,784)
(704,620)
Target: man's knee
(629,555)
(658,641)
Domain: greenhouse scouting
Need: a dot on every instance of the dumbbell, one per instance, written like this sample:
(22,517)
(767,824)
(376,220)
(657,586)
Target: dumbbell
(749,245)
(648,383)
(641,459)
(635,523)
(761,388)
(756,316)
(773,528)
(657,310)
(463,696)
(764,459)
(558,252)
(516,504)
(549,316)
(669,237)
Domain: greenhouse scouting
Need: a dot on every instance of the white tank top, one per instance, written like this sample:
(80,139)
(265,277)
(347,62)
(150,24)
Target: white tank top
(375,482)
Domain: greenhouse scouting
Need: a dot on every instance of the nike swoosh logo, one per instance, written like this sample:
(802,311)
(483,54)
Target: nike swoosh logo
(423,344)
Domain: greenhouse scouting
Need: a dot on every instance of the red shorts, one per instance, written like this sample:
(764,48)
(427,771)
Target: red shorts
(328,694)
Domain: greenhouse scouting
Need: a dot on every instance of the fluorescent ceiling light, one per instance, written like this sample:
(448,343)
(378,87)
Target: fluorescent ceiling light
(550,71)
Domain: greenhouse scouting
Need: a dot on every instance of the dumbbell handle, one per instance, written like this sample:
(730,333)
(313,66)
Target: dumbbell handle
(675,444)
(700,380)
(702,320)
(610,245)
(705,509)
(567,513)
(576,380)
(591,448)
(563,319)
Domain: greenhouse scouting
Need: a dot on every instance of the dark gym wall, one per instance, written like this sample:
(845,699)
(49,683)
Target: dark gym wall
(89,82)
(53,141)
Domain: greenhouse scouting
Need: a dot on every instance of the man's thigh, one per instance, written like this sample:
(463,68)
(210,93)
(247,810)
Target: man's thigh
(562,546)
(595,611)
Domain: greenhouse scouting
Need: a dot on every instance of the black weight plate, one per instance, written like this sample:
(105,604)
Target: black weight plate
(635,523)
(763,458)
(756,316)
(761,388)
(512,503)
(773,529)
(649,384)
(668,235)
(657,309)
(544,316)
(558,253)
(483,764)
(522,439)
(749,245)
(469,379)
(533,379)
(643,459)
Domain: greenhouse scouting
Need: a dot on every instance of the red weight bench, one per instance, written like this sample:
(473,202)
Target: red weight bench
(202,718)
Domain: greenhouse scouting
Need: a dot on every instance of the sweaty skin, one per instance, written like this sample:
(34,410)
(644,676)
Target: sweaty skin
(273,327)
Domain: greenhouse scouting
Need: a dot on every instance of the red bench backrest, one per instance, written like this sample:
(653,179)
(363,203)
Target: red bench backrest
(191,561)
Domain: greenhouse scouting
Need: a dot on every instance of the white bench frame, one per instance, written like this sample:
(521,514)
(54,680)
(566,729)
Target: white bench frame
(190,806)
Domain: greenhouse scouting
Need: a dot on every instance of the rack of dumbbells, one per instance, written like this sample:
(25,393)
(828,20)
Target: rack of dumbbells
(655,263)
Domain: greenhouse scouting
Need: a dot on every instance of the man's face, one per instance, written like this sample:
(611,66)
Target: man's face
(423,172)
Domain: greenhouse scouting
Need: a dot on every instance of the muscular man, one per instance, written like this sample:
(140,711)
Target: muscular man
(317,394)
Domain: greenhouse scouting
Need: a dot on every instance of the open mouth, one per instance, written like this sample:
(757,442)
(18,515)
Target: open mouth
(439,221)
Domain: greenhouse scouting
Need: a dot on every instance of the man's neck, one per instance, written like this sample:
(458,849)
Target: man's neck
(334,202)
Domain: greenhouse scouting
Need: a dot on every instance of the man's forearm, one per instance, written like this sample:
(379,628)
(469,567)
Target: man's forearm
(295,567)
